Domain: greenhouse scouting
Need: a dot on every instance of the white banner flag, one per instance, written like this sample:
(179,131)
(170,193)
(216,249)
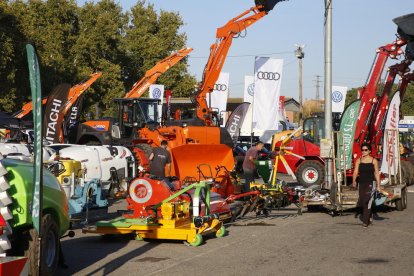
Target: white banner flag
(220,93)
(248,89)
(267,82)
(338,98)
(156,91)
(391,154)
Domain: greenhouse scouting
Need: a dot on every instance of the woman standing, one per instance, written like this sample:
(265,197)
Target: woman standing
(367,167)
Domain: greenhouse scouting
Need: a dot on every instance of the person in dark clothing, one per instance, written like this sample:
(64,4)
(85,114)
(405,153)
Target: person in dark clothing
(369,181)
(160,157)
(249,165)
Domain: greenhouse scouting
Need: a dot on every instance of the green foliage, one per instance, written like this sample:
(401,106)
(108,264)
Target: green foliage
(72,42)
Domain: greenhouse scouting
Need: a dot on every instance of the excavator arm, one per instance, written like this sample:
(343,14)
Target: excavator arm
(368,93)
(74,94)
(155,72)
(219,50)
(26,109)
(376,128)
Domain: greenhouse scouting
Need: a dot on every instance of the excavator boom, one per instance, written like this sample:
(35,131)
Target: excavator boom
(74,94)
(219,50)
(155,72)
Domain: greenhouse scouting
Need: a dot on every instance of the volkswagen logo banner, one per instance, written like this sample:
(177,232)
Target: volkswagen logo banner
(156,93)
(338,98)
(273,76)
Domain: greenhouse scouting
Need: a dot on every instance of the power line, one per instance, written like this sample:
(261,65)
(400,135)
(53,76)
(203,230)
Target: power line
(248,55)
(317,82)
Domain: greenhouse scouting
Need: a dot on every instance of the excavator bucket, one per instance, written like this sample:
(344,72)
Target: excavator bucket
(186,160)
(268,5)
(405,25)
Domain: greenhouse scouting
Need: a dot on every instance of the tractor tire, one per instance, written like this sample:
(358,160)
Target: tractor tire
(310,172)
(399,204)
(198,240)
(410,167)
(404,198)
(405,174)
(93,143)
(50,248)
(221,232)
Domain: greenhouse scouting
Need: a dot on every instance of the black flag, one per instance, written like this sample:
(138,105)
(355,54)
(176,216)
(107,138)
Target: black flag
(53,116)
(235,121)
(72,120)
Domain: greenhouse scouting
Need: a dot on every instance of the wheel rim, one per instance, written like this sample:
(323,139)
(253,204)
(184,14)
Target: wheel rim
(50,248)
(310,175)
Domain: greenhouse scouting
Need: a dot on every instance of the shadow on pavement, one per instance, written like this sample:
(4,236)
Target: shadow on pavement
(84,252)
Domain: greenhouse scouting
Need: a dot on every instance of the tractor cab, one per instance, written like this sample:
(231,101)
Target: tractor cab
(314,129)
(134,114)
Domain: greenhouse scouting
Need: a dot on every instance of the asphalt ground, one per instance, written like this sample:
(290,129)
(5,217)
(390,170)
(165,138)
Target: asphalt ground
(284,243)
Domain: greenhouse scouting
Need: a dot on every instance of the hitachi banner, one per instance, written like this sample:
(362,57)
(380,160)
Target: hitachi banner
(391,154)
(156,91)
(218,98)
(338,98)
(53,116)
(248,89)
(267,82)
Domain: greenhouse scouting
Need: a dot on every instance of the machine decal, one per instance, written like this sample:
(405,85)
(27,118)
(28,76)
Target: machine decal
(140,191)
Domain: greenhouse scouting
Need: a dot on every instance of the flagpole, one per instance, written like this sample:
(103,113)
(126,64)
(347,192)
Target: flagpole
(254,93)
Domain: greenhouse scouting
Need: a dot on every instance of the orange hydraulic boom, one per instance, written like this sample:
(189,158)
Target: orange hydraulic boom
(155,72)
(73,95)
(219,50)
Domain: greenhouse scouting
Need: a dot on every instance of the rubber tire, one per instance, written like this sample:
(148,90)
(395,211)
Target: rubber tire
(221,232)
(307,164)
(93,143)
(404,198)
(399,204)
(198,240)
(407,172)
(32,251)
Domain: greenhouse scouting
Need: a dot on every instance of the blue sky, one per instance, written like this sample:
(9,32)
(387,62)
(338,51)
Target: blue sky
(359,27)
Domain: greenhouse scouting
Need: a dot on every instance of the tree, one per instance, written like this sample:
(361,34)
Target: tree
(72,42)
(150,38)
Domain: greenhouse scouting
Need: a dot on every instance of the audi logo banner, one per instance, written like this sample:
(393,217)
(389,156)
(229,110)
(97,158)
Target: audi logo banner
(218,98)
(267,81)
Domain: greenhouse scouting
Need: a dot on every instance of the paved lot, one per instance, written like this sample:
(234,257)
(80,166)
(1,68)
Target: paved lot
(281,244)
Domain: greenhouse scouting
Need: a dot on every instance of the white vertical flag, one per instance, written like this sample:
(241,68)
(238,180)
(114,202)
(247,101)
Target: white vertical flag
(267,82)
(220,93)
(338,98)
(248,89)
(391,154)
(156,91)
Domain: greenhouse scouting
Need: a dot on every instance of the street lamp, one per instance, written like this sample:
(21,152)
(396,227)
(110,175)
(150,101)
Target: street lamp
(300,54)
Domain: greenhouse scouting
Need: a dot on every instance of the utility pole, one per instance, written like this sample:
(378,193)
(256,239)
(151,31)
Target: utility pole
(328,88)
(300,54)
(317,84)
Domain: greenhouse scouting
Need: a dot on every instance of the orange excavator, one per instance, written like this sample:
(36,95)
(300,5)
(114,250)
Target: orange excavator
(155,72)
(134,113)
(138,120)
(219,50)
(74,93)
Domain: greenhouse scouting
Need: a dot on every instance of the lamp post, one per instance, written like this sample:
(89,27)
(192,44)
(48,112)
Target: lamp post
(300,54)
